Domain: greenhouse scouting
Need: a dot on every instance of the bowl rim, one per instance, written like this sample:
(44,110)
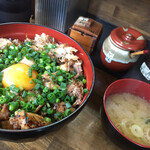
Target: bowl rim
(80,106)
(104,105)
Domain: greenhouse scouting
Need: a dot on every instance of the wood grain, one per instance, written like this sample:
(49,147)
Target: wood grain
(86,41)
(87,34)
(83,133)
(132,13)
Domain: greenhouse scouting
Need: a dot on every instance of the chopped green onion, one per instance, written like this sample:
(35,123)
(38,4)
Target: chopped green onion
(53,64)
(16,59)
(6,61)
(67,112)
(67,99)
(84,81)
(73,73)
(47,119)
(30,72)
(57,67)
(1,76)
(68,105)
(28,43)
(50,111)
(85,90)
(13,106)
(14,88)
(24,94)
(46,89)
(31,94)
(43,53)
(37,81)
(63,85)
(72,99)
(22,104)
(37,86)
(40,100)
(5,51)
(29,107)
(10,57)
(58,115)
(48,105)
(47,67)
(60,78)
(3,100)
(12,95)
(41,61)
(57,100)
(21,88)
(35,102)
(44,109)
(54,46)
(68,75)
(51,97)
(50,46)
(1,60)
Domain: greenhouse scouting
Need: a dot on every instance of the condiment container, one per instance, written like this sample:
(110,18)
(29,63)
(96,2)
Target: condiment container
(86,32)
(117,47)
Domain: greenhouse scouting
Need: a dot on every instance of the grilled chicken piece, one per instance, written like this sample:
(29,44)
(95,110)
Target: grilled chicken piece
(27,62)
(50,85)
(76,89)
(35,120)
(64,67)
(48,82)
(43,39)
(16,42)
(28,40)
(76,103)
(23,120)
(64,53)
(69,49)
(38,108)
(70,57)
(33,46)
(4,42)
(6,125)
(60,107)
(60,52)
(78,68)
(70,54)
(46,77)
(4,114)
(19,121)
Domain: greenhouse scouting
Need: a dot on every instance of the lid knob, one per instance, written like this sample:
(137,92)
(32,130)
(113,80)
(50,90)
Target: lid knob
(128,37)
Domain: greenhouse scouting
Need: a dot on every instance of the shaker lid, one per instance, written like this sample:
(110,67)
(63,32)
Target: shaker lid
(128,38)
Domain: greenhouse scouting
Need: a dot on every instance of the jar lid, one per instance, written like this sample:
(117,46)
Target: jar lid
(128,38)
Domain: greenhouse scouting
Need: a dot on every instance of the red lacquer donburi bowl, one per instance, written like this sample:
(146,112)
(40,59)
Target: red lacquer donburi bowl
(20,31)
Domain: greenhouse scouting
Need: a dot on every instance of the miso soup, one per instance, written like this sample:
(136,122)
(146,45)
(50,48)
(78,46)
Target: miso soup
(131,115)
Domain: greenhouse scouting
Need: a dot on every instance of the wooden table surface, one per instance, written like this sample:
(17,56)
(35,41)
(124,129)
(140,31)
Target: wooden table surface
(83,133)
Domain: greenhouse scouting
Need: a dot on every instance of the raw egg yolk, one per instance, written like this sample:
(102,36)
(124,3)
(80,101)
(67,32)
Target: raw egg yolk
(18,75)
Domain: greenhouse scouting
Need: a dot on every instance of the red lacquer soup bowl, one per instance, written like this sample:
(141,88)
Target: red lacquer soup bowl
(20,31)
(135,87)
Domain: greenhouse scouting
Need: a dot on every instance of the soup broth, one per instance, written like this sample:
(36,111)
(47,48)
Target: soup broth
(131,115)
